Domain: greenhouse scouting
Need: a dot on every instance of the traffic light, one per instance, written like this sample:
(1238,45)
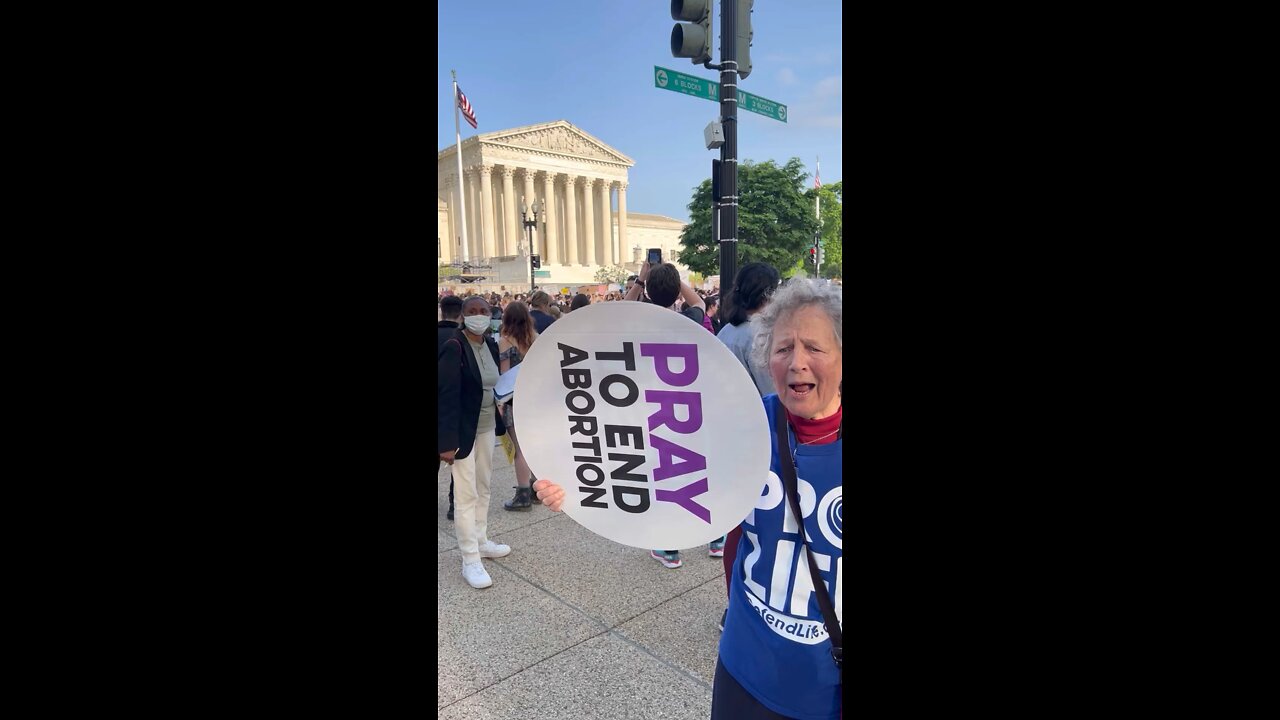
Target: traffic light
(692,38)
(813,256)
(820,258)
(537,261)
(742,35)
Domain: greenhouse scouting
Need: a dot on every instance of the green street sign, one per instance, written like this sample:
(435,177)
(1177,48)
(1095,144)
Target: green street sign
(542,273)
(762,106)
(687,84)
(710,90)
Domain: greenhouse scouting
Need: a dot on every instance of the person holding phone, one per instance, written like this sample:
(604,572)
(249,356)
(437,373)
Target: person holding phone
(663,285)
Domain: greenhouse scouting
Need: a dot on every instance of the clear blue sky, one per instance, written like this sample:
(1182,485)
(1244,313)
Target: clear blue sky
(591,62)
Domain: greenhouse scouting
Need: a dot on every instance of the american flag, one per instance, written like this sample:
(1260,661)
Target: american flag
(817,177)
(467,112)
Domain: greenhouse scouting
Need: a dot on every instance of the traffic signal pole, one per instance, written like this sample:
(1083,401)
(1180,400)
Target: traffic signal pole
(728,201)
(692,39)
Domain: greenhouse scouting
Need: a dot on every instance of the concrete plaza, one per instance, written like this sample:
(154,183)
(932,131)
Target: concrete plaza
(574,626)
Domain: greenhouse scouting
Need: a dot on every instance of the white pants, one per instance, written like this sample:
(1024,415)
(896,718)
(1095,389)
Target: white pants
(471,476)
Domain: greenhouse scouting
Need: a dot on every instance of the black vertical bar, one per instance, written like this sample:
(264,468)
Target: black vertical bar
(715,197)
(729,153)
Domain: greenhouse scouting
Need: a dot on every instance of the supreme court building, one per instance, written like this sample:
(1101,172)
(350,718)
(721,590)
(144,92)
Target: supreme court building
(581,180)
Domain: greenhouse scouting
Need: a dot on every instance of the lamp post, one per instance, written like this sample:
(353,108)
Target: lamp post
(530,218)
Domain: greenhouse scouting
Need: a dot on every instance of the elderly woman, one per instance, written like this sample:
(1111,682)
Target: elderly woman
(770,663)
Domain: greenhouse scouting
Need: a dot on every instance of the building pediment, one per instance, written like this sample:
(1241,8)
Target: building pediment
(559,137)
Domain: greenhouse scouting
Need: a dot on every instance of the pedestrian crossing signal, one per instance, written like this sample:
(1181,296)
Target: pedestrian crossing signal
(537,261)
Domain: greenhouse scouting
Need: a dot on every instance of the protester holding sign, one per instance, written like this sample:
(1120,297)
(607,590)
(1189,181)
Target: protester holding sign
(781,650)
(468,422)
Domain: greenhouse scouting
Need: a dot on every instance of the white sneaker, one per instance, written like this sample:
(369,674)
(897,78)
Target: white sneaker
(476,576)
(491,549)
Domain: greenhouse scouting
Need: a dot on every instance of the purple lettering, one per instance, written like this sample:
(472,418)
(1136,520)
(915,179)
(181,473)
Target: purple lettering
(668,453)
(664,352)
(667,400)
(684,498)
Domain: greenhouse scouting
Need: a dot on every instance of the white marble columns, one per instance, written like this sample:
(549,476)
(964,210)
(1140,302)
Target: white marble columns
(552,237)
(589,220)
(576,225)
(571,219)
(511,228)
(525,201)
(623,249)
(485,173)
(449,243)
(605,220)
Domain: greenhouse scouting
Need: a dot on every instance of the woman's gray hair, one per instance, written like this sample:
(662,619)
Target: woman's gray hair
(797,293)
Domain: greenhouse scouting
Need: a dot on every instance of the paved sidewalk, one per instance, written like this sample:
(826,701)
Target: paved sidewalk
(574,626)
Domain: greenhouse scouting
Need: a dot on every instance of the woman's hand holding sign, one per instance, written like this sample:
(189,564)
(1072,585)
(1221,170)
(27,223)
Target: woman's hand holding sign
(551,494)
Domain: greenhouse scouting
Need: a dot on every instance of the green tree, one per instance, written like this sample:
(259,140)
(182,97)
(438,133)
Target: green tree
(832,229)
(612,274)
(775,219)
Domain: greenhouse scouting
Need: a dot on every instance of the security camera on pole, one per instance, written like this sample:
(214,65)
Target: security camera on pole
(692,39)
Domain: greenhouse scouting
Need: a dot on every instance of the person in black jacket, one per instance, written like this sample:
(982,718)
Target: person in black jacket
(451,312)
(469,424)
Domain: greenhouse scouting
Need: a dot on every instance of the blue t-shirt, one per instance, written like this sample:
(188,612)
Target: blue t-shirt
(774,641)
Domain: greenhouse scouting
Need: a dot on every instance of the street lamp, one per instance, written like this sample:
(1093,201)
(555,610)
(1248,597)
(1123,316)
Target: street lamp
(530,220)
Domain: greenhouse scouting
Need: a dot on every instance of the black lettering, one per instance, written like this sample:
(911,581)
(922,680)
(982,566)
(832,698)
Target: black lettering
(591,402)
(614,433)
(576,378)
(629,462)
(641,494)
(628,356)
(593,445)
(590,499)
(570,355)
(633,392)
(582,470)
(582,425)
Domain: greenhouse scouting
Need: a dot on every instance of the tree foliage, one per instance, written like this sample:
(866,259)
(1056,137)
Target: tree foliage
(775,219)
(832,230)
(612,274)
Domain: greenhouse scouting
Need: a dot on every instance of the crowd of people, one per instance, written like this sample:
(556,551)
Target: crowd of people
(558,304)
(789,339)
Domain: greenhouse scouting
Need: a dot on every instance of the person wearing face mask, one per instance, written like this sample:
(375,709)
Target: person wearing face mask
(468,426)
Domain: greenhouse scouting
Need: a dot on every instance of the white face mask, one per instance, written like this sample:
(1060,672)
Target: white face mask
(477,324)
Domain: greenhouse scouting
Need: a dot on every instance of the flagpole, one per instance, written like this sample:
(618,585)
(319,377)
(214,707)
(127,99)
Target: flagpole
(462,183)
(817,213)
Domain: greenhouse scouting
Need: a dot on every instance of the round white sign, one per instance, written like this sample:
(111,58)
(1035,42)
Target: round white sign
(652,427)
